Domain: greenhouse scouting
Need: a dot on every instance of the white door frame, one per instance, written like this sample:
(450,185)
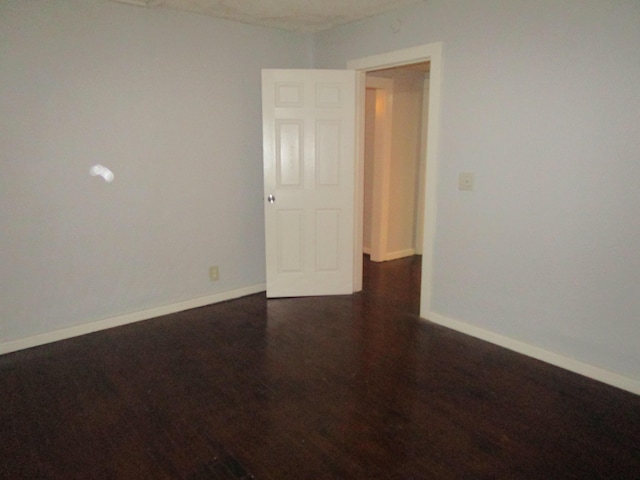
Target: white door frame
(419,219)
(431,52)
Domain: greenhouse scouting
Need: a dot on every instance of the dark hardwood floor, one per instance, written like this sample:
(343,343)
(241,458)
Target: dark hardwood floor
(344,387)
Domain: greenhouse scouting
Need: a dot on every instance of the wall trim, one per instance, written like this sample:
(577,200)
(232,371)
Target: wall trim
(392,255)
(571,364)
(399,254)
(117,321)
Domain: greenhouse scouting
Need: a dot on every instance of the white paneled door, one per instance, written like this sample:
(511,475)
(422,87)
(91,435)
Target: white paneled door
(309,167)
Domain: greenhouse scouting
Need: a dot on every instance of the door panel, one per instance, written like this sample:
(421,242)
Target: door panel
(309,168)
(289,154)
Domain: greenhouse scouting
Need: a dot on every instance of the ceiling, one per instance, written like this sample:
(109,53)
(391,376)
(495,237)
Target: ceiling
(296,15)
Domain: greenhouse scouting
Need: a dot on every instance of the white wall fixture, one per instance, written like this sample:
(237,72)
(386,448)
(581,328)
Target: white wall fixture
(465,181)
(101,171)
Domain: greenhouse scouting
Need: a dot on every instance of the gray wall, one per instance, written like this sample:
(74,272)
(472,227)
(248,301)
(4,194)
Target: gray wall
(171,102)
(540,100)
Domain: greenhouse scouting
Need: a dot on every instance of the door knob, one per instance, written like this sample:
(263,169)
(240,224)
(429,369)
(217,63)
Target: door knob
(271,199)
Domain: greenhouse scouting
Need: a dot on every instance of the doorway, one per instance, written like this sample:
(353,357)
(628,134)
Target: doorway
(396,118)
(431,53)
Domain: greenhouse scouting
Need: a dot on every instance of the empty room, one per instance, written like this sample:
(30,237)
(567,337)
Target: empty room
(192,288)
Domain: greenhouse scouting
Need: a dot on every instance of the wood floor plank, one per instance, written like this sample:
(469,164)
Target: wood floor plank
(342,387)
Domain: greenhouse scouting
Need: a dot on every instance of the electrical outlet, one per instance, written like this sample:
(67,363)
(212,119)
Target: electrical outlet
(465,181)
(214,273)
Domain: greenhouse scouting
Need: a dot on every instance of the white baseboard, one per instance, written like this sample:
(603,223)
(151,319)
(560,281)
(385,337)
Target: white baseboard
(576,366)
(399,254)
(127,318)
(392,255)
